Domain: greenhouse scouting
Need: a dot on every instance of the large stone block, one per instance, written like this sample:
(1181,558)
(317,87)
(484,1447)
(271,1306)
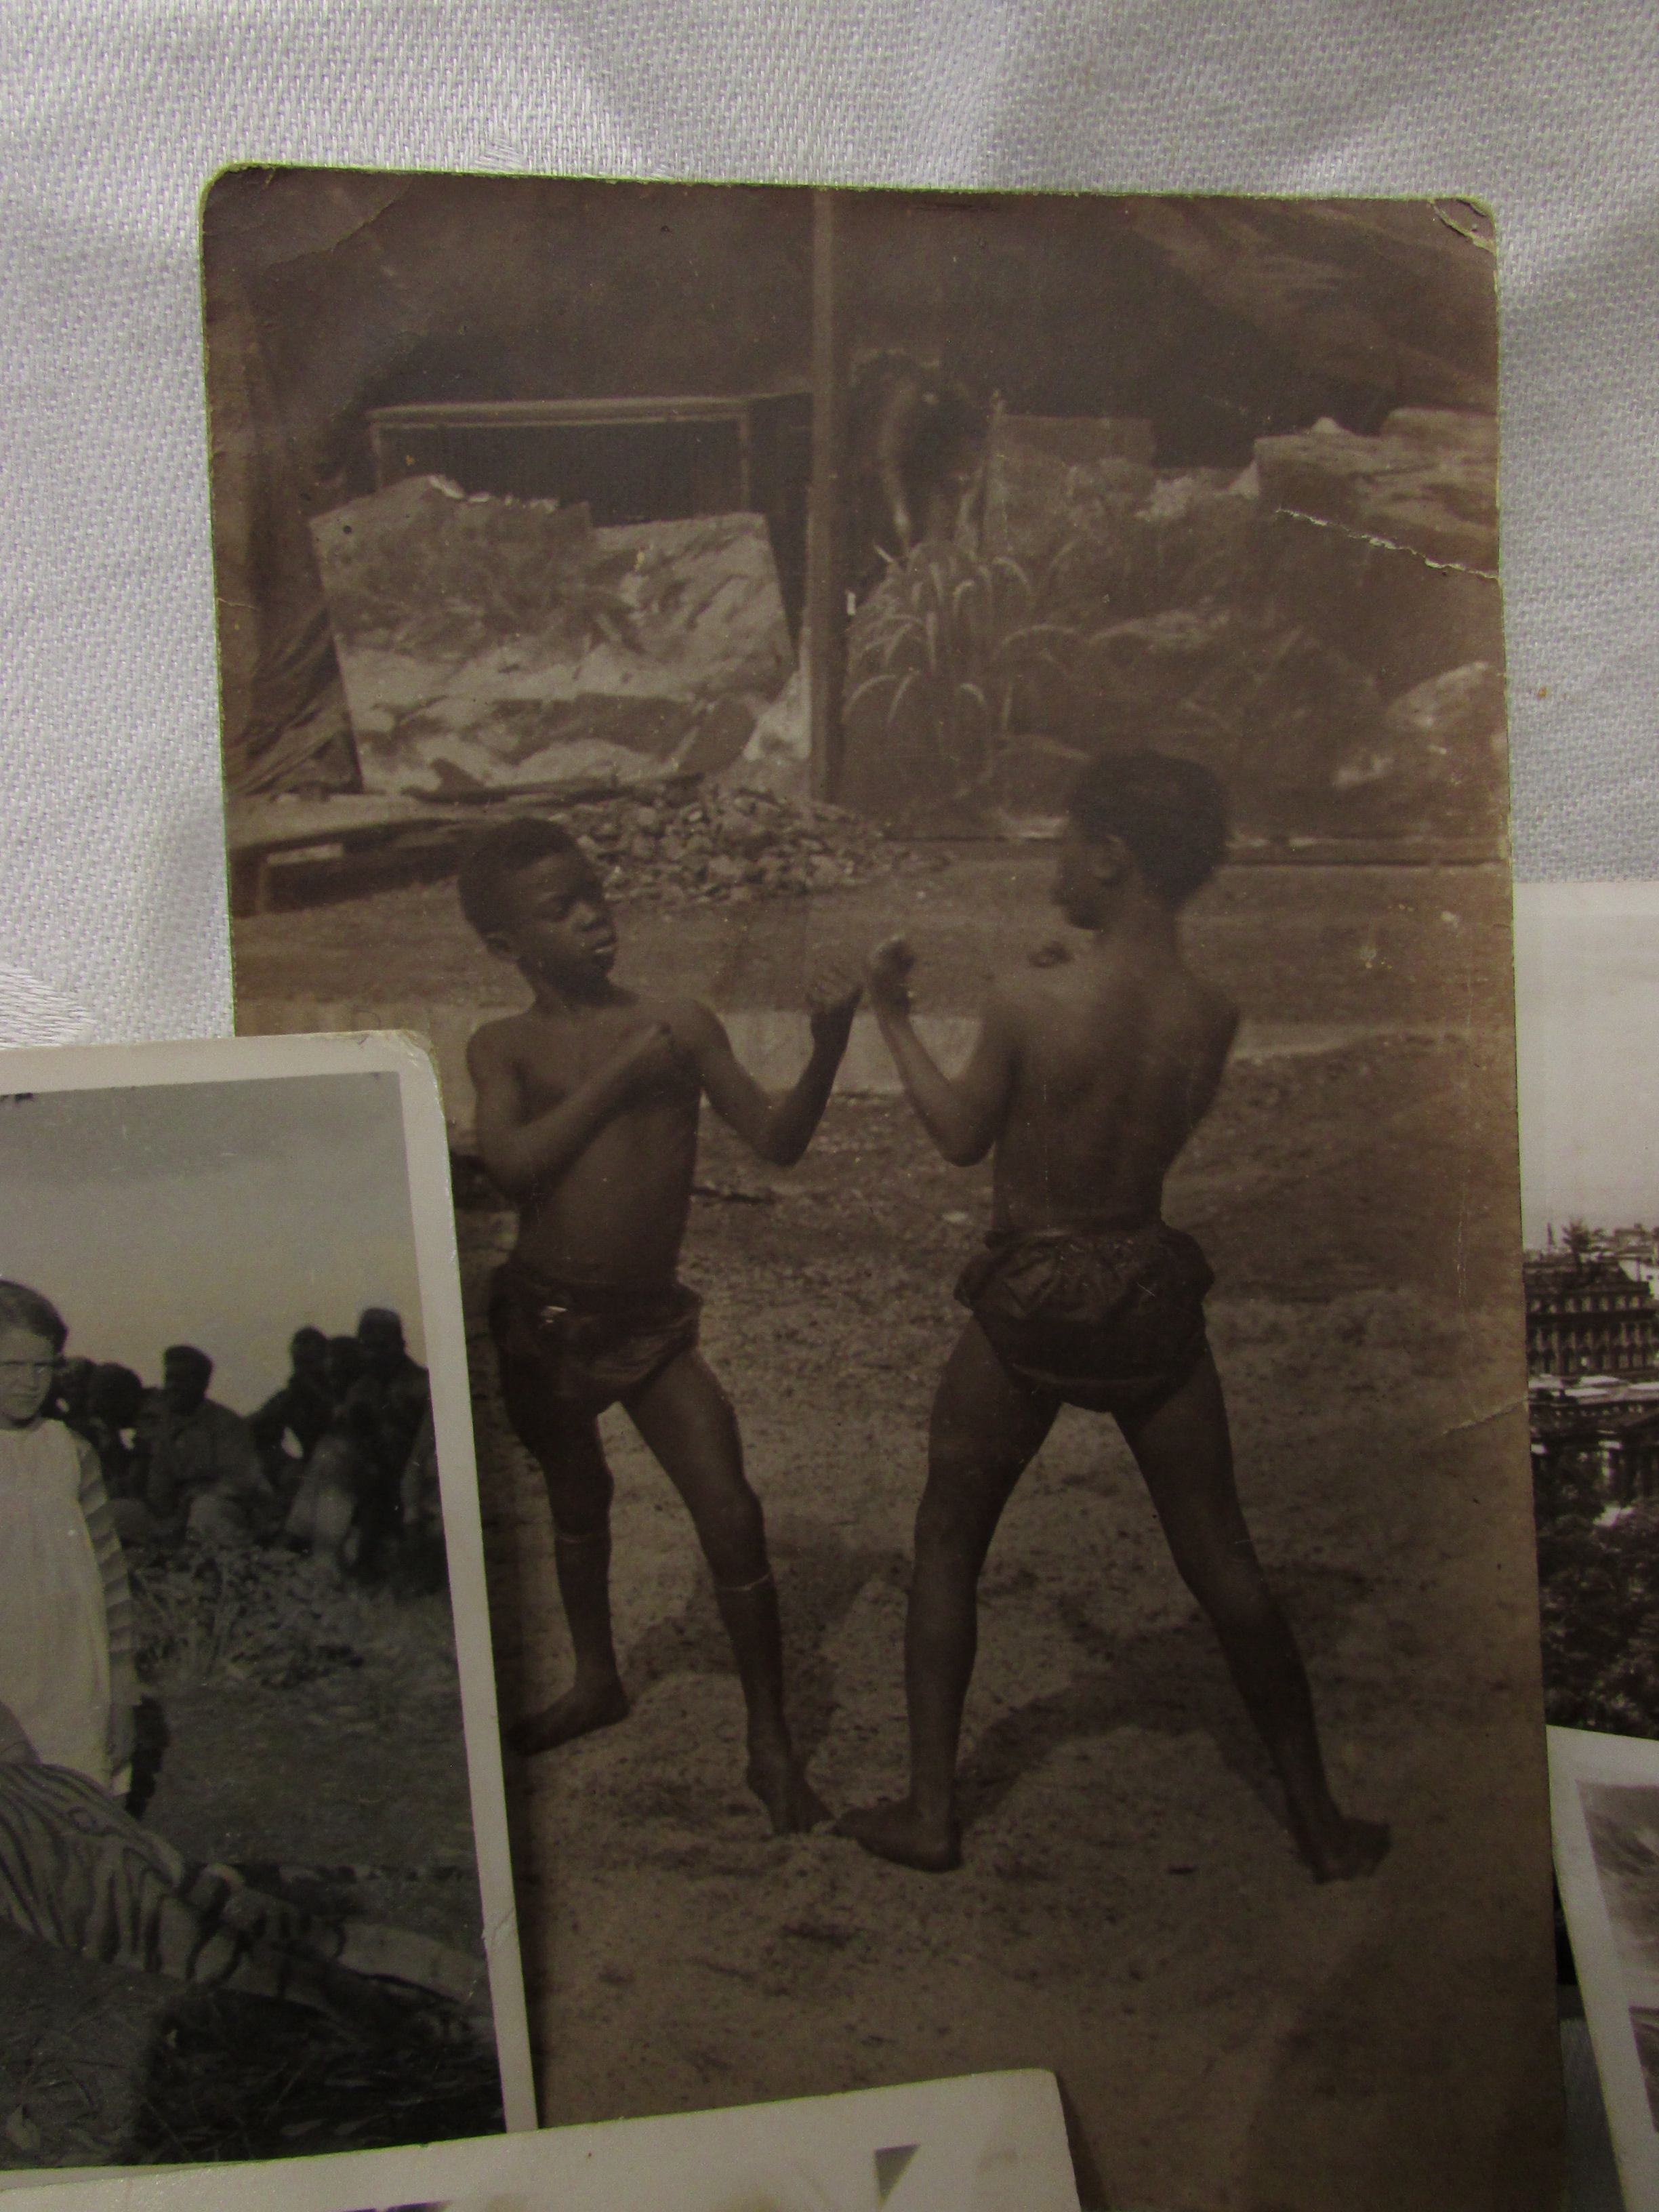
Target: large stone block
(1439,758)
(1427,484)
(778,756)
(955,663)
(1402,618)
(490,643)
(1258,622)
(1050,479)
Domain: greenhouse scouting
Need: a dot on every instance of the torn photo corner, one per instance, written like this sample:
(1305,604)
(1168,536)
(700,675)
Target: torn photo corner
(639,603)
(255,1888)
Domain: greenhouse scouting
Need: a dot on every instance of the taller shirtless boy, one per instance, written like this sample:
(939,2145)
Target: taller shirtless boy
(1089,1076)
(587,1106)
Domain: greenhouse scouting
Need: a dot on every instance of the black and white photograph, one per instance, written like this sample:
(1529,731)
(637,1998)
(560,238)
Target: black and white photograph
(1604,1794)
(248,1854)
(991,2142)
(1587,982)
(933,767)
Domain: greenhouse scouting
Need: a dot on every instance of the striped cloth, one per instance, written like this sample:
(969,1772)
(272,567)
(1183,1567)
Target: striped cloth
(106,1550)
(77,1872)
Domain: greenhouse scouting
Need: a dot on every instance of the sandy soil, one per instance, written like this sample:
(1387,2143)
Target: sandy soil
(1424,947)
(1131,1914)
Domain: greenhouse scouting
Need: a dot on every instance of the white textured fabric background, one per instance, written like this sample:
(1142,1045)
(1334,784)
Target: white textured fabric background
(116,112)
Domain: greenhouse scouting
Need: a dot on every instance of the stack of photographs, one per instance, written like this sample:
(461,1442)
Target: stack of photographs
(930,771)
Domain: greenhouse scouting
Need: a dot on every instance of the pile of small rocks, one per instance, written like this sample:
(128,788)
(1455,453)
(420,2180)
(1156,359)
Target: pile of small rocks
(694,843)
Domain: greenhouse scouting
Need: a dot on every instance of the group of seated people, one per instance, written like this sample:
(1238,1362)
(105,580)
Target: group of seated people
(341,1461)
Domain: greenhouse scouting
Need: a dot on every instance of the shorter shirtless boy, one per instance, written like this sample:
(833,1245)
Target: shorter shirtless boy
(1089,1074)
(587,1106)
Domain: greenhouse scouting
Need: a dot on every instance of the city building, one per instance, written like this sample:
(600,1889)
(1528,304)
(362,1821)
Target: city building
(1586,1315)
(1608,1427)
(1635,1249)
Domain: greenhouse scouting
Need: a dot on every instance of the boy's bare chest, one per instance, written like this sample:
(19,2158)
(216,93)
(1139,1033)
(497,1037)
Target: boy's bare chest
(553,1060)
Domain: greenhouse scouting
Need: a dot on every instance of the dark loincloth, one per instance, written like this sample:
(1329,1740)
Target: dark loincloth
(590,1345)
(1111,1320)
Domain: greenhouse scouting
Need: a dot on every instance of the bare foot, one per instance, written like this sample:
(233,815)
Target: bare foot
(793,1806)
(898,1832)
(578,1713)
(1351,1848)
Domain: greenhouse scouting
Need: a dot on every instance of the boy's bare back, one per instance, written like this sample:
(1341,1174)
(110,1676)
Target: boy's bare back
(1089,1075)
(1113,1059)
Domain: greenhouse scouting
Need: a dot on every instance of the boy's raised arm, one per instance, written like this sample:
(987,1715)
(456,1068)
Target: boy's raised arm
(523,1154)
(778,1129)
(963,1118)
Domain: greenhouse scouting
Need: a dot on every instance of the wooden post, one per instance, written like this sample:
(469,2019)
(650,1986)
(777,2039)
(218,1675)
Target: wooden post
(824,629)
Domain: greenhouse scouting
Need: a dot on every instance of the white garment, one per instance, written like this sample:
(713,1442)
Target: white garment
(54,1634)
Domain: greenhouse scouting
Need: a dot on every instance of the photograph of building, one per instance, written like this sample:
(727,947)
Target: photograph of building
(1588,1313)
(1587,972)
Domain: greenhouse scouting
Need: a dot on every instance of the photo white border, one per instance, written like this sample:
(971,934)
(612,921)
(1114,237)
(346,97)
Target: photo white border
(1575,1756)
(1586,982)
(425,1145)
(964,2130)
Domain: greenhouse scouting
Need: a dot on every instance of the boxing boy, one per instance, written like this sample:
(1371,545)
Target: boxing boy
(1089,1074)
(587,1106)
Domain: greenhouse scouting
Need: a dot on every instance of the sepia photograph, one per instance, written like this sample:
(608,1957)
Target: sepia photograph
(932,769)
(246,1862)
(1605,1794)
(991,2143)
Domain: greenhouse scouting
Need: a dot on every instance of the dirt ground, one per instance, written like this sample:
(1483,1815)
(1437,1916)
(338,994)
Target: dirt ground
(1323,946)
(325,1760)
(1229,2036)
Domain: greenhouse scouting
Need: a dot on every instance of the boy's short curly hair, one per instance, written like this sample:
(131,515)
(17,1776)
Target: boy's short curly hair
(22,1308)
(1171,814)
(498,854)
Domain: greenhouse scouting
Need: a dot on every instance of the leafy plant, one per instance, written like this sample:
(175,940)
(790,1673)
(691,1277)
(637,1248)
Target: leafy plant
(943,651)
(956,656)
